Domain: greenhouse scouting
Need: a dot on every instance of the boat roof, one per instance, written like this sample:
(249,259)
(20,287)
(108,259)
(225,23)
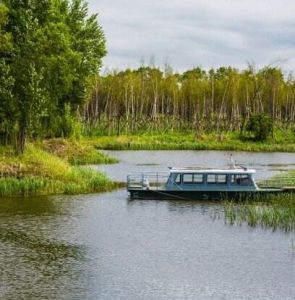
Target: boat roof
(212,171)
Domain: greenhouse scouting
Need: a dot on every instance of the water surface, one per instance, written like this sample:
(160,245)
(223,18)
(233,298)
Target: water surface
(108,247)
(266,164)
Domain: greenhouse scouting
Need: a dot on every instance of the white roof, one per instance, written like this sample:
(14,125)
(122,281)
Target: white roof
(215,171)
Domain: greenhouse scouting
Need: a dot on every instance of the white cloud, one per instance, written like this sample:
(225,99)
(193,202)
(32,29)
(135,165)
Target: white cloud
(187,33)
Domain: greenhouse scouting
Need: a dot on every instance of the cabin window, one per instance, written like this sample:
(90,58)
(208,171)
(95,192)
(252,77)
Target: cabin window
(177,179)
(211,178)
(187,178)
(198,178)
(192,178)
(221,178)
(216,179)
(241,179)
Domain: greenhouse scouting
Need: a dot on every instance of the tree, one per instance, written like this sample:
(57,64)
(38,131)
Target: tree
(88,42)
(6,80)
(56,47)
(5,38)
(23,25)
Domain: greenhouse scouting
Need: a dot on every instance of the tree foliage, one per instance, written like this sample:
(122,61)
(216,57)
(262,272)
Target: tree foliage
(260,126)
(221,99)
(7,105)
(51,48)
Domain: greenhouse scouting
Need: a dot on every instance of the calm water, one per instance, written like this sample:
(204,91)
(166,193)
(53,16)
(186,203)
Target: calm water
(266,164)
(107,247)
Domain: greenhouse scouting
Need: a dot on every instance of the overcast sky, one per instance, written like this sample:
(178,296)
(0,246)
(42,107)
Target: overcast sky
(190,33)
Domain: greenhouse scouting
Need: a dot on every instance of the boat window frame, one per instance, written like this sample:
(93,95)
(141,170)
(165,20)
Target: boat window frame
(176,181)
(193,178)
(217,182)
(199,182)
(238,176)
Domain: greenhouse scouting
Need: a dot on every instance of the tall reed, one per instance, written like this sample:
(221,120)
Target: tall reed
(274,211)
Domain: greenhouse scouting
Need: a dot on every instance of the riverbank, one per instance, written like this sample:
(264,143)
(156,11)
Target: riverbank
(51,167)
(283,141)
(76,152)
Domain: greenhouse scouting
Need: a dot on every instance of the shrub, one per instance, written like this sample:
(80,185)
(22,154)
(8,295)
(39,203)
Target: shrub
(260,126)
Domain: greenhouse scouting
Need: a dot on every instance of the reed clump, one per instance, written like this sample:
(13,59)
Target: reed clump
(38,172)
(274,211)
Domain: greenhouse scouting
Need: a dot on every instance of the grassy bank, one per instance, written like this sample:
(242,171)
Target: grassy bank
(75,152)
(38,172)
(282,141)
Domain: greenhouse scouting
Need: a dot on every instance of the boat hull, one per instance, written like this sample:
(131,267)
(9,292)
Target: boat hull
(203,195)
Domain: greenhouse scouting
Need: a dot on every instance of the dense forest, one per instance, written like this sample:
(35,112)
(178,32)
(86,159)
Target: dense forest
(50,84)
(48,51)
(215,100)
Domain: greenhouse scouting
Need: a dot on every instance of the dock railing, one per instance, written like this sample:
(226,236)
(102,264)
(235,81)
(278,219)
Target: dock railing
(147,180)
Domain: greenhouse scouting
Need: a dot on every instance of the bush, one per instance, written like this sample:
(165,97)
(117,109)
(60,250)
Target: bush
(260,126)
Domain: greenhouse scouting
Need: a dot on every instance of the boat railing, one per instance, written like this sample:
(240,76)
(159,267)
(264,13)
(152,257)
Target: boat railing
(147,180)
(279,182)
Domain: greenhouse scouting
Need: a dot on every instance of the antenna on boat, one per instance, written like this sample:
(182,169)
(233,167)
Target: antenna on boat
(232,162)
(234,166)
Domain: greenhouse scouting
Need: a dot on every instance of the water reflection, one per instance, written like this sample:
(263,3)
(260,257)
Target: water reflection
(35,263)
(40,250)
(180,206)
(28,206)
(212,209)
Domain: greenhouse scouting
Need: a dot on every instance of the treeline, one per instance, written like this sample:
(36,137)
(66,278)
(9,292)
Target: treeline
(50,57)
(48,51)
(219,99)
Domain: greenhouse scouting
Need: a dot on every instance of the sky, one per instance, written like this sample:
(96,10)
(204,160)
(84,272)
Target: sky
(189,33)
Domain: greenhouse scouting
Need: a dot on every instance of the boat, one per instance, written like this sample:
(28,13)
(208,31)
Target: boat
(193,183)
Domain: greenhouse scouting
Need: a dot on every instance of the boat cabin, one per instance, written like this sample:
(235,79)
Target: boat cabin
(211,179)
(200,184)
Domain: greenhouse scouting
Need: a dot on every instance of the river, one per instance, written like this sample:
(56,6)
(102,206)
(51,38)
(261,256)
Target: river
(105,246)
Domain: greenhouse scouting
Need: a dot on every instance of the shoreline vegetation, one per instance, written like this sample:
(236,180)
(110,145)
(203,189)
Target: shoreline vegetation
(51,167)
(283,141)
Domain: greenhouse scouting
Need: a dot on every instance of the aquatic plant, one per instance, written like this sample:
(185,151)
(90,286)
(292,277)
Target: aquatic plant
(274,211)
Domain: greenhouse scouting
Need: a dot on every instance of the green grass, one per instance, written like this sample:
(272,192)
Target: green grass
(77,152)
(273,211)
(38,172)
(284,142)
(276,212)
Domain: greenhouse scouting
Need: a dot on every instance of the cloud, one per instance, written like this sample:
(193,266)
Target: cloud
(187,33)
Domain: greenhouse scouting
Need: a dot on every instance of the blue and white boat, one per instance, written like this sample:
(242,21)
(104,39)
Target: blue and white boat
(200,184)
